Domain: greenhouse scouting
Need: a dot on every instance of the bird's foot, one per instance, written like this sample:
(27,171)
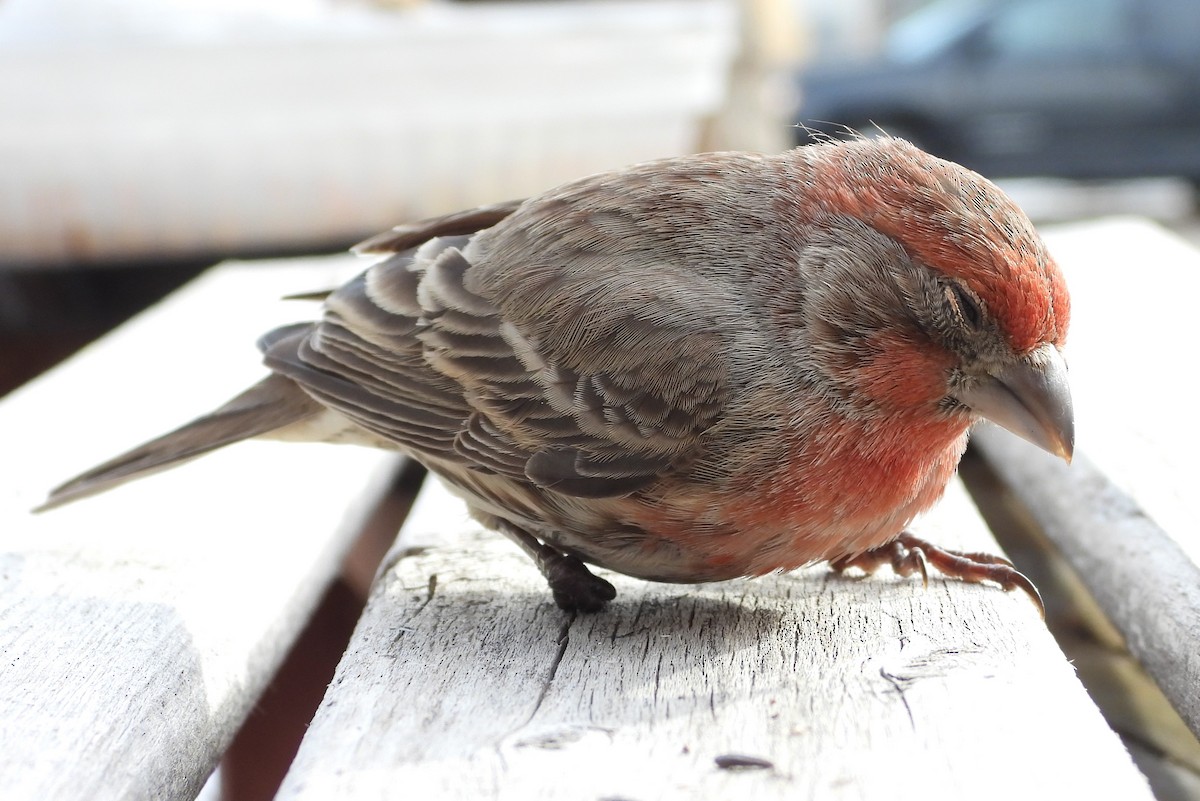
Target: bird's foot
(575,588)
(908,554)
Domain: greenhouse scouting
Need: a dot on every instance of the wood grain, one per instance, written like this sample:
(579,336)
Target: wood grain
(464,681)
(138,628)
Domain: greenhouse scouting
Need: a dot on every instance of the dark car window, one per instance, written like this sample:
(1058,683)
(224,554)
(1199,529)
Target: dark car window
(1173,29)
(1058,29)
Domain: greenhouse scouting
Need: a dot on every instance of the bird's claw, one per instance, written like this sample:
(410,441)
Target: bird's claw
(904,560)
(575,588)
(908,554)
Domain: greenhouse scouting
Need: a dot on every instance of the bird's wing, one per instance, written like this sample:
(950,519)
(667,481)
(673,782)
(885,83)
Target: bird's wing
(459,223)
(411,352)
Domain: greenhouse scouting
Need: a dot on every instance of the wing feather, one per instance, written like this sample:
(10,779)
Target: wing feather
(419,351)
(411,235)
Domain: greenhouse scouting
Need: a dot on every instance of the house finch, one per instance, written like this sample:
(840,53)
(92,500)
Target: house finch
(688,370)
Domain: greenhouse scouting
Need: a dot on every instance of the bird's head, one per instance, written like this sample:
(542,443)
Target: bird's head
(931,290)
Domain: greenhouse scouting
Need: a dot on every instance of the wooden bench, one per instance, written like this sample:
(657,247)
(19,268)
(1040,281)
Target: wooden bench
(138,629)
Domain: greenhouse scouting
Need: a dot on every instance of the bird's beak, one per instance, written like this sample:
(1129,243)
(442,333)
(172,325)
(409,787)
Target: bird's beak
(1031,398)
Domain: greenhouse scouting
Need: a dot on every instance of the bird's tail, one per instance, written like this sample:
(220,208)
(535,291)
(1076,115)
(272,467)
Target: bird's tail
(270,404)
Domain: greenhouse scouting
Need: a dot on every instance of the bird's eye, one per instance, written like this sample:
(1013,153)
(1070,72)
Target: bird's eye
(964,305)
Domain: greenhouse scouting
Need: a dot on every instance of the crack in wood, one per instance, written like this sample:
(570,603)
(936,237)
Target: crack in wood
(564,639)
(897,684)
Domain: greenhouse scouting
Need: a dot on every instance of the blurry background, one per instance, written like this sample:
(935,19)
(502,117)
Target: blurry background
(1074,89)
(143,140)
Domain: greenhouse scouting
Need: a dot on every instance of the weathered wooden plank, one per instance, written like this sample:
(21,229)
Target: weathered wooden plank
(1124,514)
(137,628)
(464,681)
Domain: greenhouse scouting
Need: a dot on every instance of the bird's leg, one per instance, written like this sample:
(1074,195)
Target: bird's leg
(575,588)
(905,561)
(909,554)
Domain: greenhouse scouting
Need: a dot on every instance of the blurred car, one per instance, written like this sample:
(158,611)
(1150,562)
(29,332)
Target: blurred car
(1067,88)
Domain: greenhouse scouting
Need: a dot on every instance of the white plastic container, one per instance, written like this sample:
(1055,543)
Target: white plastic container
(255,137)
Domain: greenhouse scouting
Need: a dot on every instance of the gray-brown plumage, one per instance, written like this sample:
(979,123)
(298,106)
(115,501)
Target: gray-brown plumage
(687,370)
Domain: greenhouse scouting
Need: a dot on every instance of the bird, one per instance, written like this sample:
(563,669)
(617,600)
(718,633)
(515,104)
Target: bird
(694,369)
